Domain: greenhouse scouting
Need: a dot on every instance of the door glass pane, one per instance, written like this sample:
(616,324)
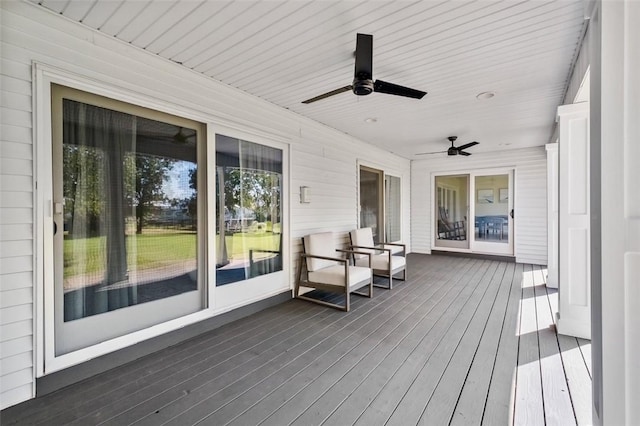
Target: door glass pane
(451,211)
(492,208)
(371,202)
(392,205)
(130,228)
(248,211)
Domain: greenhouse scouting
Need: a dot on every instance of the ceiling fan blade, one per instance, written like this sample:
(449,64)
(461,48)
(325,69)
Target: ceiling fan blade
(427,153)
(394,89)
(468,145)
(326,95)
(464,153)
(364,57)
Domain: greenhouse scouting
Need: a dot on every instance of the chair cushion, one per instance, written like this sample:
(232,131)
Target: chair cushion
(381,261)
(321,244)
(335,275)
(362,237)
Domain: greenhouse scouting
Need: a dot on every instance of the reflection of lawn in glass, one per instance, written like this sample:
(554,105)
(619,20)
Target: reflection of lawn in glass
(144,251)
(239,244)
(157,249)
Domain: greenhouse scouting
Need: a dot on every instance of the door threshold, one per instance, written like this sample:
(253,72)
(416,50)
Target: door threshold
(497,257)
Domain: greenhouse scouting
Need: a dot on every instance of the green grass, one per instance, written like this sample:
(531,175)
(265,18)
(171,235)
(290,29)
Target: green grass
(148,251)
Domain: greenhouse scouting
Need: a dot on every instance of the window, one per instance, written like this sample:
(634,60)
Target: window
(392,190)
(249,210)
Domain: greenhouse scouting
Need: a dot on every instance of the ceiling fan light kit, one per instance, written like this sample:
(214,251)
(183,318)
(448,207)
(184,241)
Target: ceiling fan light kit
(363,83)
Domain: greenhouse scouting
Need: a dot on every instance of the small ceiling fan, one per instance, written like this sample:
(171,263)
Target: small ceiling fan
(454,150)
(363,83)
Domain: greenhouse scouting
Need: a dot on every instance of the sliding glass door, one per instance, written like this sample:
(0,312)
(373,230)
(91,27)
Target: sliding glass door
(473,212)
(380,204)
(128,218)
(372,202)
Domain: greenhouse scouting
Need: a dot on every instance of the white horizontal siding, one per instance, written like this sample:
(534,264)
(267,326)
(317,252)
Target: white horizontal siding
(530,197)
(321,158)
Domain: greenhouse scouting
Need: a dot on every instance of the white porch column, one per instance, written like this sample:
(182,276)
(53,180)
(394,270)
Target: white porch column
(574,301)
(552,215)
(616,132)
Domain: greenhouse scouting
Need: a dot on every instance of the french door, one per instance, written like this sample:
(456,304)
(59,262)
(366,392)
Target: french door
(492,212)
(473,212)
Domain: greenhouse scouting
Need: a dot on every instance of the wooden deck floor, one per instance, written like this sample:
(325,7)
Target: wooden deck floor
(462,342)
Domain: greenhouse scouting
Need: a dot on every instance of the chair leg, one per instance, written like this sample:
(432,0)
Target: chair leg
(297,286)
(346,300)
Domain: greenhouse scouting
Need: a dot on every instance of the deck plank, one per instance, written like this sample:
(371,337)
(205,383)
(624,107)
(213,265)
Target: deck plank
(88,393)
(441,406)
(558,408)
(214,391)
(212,359)
(578,379)
(463,341)
(391,392)
(500,399)
(306,387)
(585,349)
(529,404)
(451,360)
(351,342)
(388,353)
(470,405)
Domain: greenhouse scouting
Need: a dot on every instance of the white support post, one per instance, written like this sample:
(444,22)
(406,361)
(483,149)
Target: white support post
(574,304)
(552,215)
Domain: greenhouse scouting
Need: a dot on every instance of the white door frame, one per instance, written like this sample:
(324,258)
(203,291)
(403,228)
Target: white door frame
(476,246)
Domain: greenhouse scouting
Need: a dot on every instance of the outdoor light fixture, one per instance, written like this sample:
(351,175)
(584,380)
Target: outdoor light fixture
(305,195)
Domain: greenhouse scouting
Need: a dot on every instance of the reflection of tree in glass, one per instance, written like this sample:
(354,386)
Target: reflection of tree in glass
(256,190)
(83,186)
(144,179)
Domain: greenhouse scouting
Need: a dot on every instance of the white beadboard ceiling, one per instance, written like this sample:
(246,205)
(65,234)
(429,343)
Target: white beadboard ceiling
(289,51)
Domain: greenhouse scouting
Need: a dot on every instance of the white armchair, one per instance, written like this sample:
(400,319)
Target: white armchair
(387,259)
(320,268)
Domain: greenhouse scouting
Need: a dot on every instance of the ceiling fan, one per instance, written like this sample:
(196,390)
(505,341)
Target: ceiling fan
(363,83)
(454,150)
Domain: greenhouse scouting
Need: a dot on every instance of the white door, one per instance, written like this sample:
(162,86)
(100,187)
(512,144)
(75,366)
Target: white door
(492,212)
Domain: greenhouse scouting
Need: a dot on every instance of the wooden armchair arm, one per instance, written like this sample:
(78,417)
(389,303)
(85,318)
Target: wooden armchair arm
(372,248)
(335,259)
(357,252)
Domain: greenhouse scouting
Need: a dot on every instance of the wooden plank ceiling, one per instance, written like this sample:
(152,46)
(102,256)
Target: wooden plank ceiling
(289,51)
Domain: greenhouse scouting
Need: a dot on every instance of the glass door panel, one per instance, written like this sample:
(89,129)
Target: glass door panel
(371,202)
(393,188)
(249,228)
(128,221)
(492,220)
(451,207)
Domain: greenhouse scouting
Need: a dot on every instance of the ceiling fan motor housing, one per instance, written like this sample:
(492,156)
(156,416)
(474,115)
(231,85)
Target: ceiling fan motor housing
(362,86)
(452,151)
